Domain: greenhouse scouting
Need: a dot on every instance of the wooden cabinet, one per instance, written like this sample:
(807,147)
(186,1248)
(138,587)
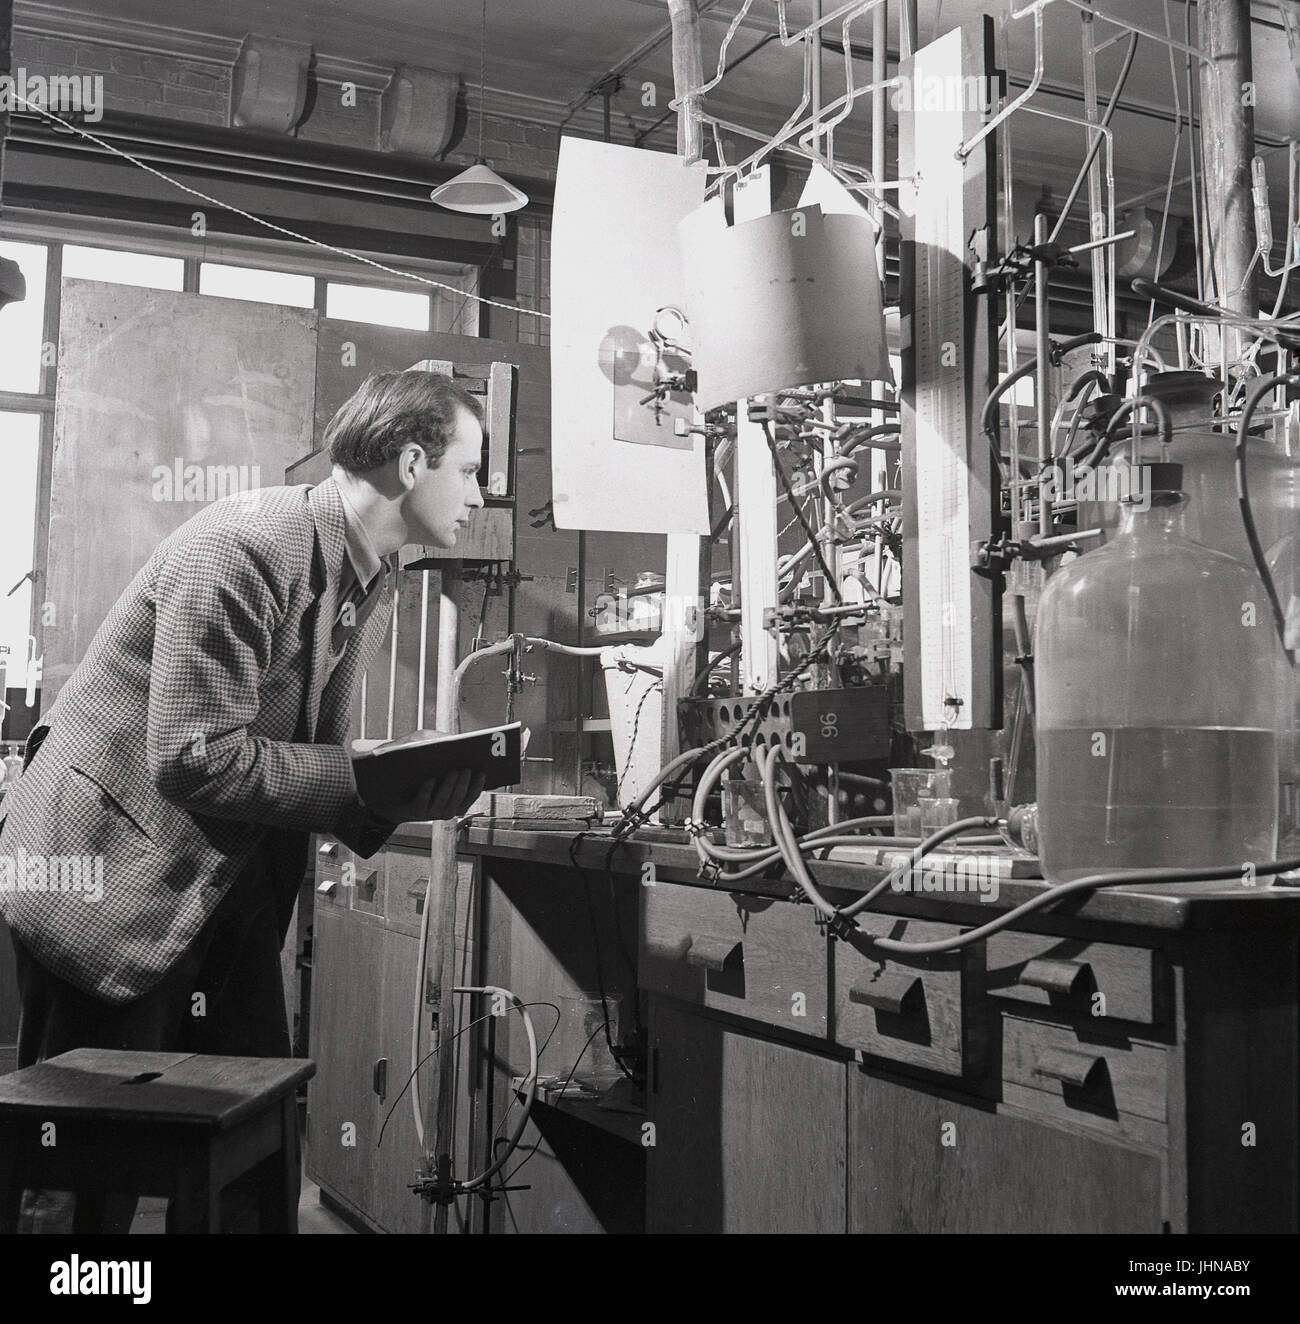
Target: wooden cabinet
(920,1162)
(365,958)
(341,1111)
(749,1133)
(1036,1083)
(397,1158)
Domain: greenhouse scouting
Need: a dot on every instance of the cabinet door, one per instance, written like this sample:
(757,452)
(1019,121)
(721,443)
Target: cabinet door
(749,1133)
(921,1163)
(346,956)
(397,1160)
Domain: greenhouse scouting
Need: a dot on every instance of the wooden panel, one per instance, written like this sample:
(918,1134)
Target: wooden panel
(906,1009)
(1239,1080)
(748,956)
(397,1160)
(1094,1079)
(947,208)
(490,537)
(350,351)
(501,429)
(921,1163)
(229,403)
(345,1041)
(749,1133)
(406,878)
(1093,978)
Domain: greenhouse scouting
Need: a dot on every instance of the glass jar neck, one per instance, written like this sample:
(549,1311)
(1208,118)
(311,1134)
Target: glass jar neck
(1164,518)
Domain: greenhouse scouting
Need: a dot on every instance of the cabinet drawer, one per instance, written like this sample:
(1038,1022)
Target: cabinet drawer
(745,955)
(346,882)
(908,1009)
(1068,1075)
(1096,979)
(330,857)
(406,882)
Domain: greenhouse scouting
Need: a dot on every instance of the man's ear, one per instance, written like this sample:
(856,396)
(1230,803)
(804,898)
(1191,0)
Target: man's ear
(410,460)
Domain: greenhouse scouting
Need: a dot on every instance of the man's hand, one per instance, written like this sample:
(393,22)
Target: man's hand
(438,798)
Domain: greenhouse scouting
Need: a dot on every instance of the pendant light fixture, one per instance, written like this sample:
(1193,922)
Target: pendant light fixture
(480,191)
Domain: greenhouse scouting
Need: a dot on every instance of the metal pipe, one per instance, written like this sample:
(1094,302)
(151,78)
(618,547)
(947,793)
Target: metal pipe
(1228,130)
(1042,403)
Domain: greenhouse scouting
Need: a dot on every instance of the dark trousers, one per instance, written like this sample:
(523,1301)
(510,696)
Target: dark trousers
(224,996)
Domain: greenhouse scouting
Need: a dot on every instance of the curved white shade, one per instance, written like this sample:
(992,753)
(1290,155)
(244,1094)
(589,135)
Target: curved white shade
(479,191)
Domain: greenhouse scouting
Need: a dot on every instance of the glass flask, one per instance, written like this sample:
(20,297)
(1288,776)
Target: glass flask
(1208,459)
(1157,666)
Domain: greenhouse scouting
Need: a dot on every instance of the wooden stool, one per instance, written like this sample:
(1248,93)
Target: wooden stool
(180,1125)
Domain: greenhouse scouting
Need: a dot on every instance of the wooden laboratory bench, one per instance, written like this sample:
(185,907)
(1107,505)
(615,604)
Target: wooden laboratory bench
(1122,1061)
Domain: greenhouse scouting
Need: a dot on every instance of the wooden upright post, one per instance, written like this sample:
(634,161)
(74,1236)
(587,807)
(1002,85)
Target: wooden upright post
(689,564)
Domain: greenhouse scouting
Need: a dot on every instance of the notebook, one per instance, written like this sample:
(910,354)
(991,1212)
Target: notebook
(394,771)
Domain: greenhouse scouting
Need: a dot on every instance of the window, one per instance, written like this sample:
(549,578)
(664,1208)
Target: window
(367,303)
(121,267)
(20,450)
(256,283)
(22,325)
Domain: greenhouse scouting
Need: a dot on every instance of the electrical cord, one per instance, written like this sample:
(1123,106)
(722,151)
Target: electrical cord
(1253,397)
(577,1062)
(470,1184)
(813,541)
(1132,406)
(1092,882)
(989,422)
(433,1052)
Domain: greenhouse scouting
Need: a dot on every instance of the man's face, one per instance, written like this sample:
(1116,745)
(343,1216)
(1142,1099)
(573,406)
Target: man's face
(438,506)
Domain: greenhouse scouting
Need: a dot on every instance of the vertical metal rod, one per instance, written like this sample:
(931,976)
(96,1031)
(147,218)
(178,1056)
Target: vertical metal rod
(909,30)
(423,675)
(816,38)
(877,461)
(1096,220)
(688,557)
(488,1121)
(1042,400)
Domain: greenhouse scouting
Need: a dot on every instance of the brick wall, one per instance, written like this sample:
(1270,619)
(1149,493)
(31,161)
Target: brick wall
(197,90)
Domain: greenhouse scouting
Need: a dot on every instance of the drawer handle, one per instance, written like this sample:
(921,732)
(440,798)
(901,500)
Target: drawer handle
(379,1078)
(1071,1068)
(1068,978)
(898,992)
(329,851)
(715,953)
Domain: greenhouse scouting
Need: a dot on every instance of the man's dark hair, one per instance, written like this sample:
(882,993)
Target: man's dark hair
(393,409)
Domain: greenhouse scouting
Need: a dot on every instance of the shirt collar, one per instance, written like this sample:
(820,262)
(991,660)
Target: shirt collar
(359,551)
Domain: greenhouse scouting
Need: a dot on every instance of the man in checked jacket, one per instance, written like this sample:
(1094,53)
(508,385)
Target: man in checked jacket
(201,740)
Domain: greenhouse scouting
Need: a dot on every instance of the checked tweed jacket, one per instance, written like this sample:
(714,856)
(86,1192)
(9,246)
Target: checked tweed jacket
(176,750)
